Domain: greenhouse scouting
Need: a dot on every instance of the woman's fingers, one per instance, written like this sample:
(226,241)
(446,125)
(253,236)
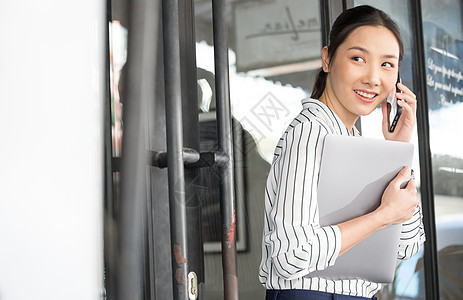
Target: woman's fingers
(405,89)
(406,123)
(408,96)
(403,175)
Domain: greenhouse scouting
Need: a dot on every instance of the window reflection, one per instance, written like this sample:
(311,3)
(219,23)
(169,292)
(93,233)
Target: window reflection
(443,40)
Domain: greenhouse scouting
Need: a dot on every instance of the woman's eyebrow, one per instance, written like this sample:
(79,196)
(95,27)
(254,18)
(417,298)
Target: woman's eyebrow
(390,56)
(358,48)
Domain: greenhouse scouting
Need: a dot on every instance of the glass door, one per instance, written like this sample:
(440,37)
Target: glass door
(274,52)
(443,48)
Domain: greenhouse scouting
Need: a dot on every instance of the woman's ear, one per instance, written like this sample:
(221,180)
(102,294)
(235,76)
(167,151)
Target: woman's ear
(325,60)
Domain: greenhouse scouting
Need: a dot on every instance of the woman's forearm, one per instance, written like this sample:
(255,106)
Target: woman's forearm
(356,230)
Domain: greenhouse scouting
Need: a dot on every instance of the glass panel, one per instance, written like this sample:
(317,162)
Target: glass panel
(443,40)
(409,280)
(274,52)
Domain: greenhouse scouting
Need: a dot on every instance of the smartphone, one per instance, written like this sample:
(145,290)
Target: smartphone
(393,109)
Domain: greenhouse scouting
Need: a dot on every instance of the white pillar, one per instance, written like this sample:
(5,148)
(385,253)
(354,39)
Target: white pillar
(51,149)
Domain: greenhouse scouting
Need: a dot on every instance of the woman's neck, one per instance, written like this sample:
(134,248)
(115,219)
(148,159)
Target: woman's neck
(347,118)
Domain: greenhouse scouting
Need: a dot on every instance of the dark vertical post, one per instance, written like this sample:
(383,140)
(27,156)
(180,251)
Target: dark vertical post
(426,188)
(346,4)
(107,120)
(191,140)
(174,125)
(109,249)
(227,195)
(329,11)
(335,8)
(141,73)
(325,21)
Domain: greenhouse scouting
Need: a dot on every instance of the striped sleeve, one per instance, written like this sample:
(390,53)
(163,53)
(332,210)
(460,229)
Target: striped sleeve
(299,244)
(412,236)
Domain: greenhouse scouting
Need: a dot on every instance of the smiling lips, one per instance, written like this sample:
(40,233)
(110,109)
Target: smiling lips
(366,96)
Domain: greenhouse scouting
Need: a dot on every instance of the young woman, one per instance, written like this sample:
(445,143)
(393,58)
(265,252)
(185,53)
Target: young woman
(359,69)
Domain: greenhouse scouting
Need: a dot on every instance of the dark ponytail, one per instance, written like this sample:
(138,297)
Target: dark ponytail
(320,83)
(346,22)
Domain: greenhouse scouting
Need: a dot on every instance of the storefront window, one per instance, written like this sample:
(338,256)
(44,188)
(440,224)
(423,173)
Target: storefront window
(443,42)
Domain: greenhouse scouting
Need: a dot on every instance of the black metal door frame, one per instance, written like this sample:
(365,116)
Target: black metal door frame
(427,187)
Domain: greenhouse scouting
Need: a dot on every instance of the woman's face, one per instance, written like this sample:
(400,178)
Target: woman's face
(362,72)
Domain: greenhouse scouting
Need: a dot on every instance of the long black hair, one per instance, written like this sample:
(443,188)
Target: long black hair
(348,21)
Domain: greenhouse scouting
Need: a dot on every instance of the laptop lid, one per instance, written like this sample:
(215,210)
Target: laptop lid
(354,172)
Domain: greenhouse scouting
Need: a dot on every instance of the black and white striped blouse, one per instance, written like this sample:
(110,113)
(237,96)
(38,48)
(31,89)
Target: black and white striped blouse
(293,243)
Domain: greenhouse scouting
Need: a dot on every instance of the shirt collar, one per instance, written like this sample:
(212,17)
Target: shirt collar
(329,116)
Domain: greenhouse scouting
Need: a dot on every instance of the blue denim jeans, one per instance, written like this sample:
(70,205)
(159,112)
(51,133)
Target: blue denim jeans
(307,295)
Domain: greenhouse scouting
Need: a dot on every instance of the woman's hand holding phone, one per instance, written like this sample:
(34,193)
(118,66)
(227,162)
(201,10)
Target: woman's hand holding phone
(404,128)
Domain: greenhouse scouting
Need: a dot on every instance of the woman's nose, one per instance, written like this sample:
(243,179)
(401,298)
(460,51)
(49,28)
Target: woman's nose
(372,76)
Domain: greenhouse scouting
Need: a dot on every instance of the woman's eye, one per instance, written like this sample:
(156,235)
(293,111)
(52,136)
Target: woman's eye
(386,64)
(357,58)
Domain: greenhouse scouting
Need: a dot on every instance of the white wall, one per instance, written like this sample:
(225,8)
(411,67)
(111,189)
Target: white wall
(51,149)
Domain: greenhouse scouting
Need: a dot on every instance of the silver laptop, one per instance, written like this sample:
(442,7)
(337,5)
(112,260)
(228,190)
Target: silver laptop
(354,172)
